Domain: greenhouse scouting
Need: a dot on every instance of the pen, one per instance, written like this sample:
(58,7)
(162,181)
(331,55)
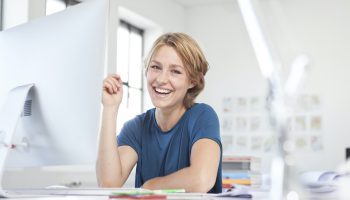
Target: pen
(128,85)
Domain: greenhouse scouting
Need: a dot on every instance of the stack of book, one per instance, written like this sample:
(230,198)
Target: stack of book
(242,170)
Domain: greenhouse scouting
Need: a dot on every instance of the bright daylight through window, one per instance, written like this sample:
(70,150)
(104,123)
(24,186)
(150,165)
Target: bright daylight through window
(129,67)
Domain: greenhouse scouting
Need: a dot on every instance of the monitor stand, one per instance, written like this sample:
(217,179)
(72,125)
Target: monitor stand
(9,115)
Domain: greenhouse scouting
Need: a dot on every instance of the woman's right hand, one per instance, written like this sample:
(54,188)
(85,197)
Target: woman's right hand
(112,91)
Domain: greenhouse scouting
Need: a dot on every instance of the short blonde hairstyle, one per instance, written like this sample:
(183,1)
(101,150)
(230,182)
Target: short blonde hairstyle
(196,65)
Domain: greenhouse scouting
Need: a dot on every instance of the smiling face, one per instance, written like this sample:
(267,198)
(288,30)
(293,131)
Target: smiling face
(167,79)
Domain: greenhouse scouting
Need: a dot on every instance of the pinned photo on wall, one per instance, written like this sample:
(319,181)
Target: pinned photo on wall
(315,123)
(301,142)
(227,105)
(308,103)
(268,143)
(241,104)
(227,144)
(256,143)
(242,142)
(256,104)
(255,124)
(299,123)
(241,124)
(316,143)
(315,102)
(227,124)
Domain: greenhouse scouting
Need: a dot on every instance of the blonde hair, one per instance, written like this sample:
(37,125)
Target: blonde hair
(195,64)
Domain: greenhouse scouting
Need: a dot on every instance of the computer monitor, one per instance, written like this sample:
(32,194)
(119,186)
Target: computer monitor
(63,55)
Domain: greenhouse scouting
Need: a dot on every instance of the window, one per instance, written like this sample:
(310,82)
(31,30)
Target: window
(129,67)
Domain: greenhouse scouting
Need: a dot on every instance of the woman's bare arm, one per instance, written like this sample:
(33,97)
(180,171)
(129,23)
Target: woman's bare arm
(200,176)
(114,163)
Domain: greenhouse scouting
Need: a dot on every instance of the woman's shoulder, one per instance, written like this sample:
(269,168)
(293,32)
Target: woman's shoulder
(199,108)
(201,111)
(203,122)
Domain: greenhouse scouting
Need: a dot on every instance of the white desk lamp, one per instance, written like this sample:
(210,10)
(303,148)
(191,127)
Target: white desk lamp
(284,183)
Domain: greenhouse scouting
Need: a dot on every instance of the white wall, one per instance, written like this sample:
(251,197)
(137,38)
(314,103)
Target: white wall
(16,12)
(167,14)
(318,28)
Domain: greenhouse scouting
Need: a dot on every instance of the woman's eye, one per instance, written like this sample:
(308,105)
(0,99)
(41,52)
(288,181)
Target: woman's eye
(155,67)
(176,72)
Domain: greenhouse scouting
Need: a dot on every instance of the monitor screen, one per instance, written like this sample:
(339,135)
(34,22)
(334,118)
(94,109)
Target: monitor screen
(64,56)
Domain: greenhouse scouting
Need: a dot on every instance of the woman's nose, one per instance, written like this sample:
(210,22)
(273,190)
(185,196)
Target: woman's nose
(162,77)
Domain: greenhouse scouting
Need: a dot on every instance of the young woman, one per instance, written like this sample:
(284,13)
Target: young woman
(177,143)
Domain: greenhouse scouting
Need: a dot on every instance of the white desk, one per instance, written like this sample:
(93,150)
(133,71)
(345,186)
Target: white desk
(342,193)
(104,194)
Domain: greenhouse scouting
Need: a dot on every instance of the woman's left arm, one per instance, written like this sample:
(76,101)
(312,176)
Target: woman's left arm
(200,176)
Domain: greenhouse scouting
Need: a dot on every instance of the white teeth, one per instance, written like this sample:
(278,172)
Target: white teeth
(163,91)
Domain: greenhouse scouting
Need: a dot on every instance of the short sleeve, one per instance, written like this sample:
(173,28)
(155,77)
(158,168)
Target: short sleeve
(130,134)
(206,125)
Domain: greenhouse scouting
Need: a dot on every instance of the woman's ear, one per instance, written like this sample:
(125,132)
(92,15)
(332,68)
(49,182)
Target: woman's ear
(192,84)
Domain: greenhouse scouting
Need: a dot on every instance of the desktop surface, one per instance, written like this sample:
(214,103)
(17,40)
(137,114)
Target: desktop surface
(107,193)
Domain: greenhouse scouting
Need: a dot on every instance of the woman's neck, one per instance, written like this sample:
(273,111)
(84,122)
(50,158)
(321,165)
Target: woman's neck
(167,118)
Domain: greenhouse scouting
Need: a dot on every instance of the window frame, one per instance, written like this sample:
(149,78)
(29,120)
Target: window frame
(133,98)
(132,28)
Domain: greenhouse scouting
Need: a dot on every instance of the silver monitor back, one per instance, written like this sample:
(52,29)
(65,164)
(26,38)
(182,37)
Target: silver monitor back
(64,56)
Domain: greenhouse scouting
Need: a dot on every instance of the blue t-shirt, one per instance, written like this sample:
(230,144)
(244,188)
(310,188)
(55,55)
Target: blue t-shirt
(162,153)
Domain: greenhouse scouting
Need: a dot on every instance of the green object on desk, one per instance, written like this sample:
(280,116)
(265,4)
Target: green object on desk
(169,191)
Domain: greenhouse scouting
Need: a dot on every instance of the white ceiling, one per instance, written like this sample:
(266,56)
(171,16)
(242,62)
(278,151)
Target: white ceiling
(190,3)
